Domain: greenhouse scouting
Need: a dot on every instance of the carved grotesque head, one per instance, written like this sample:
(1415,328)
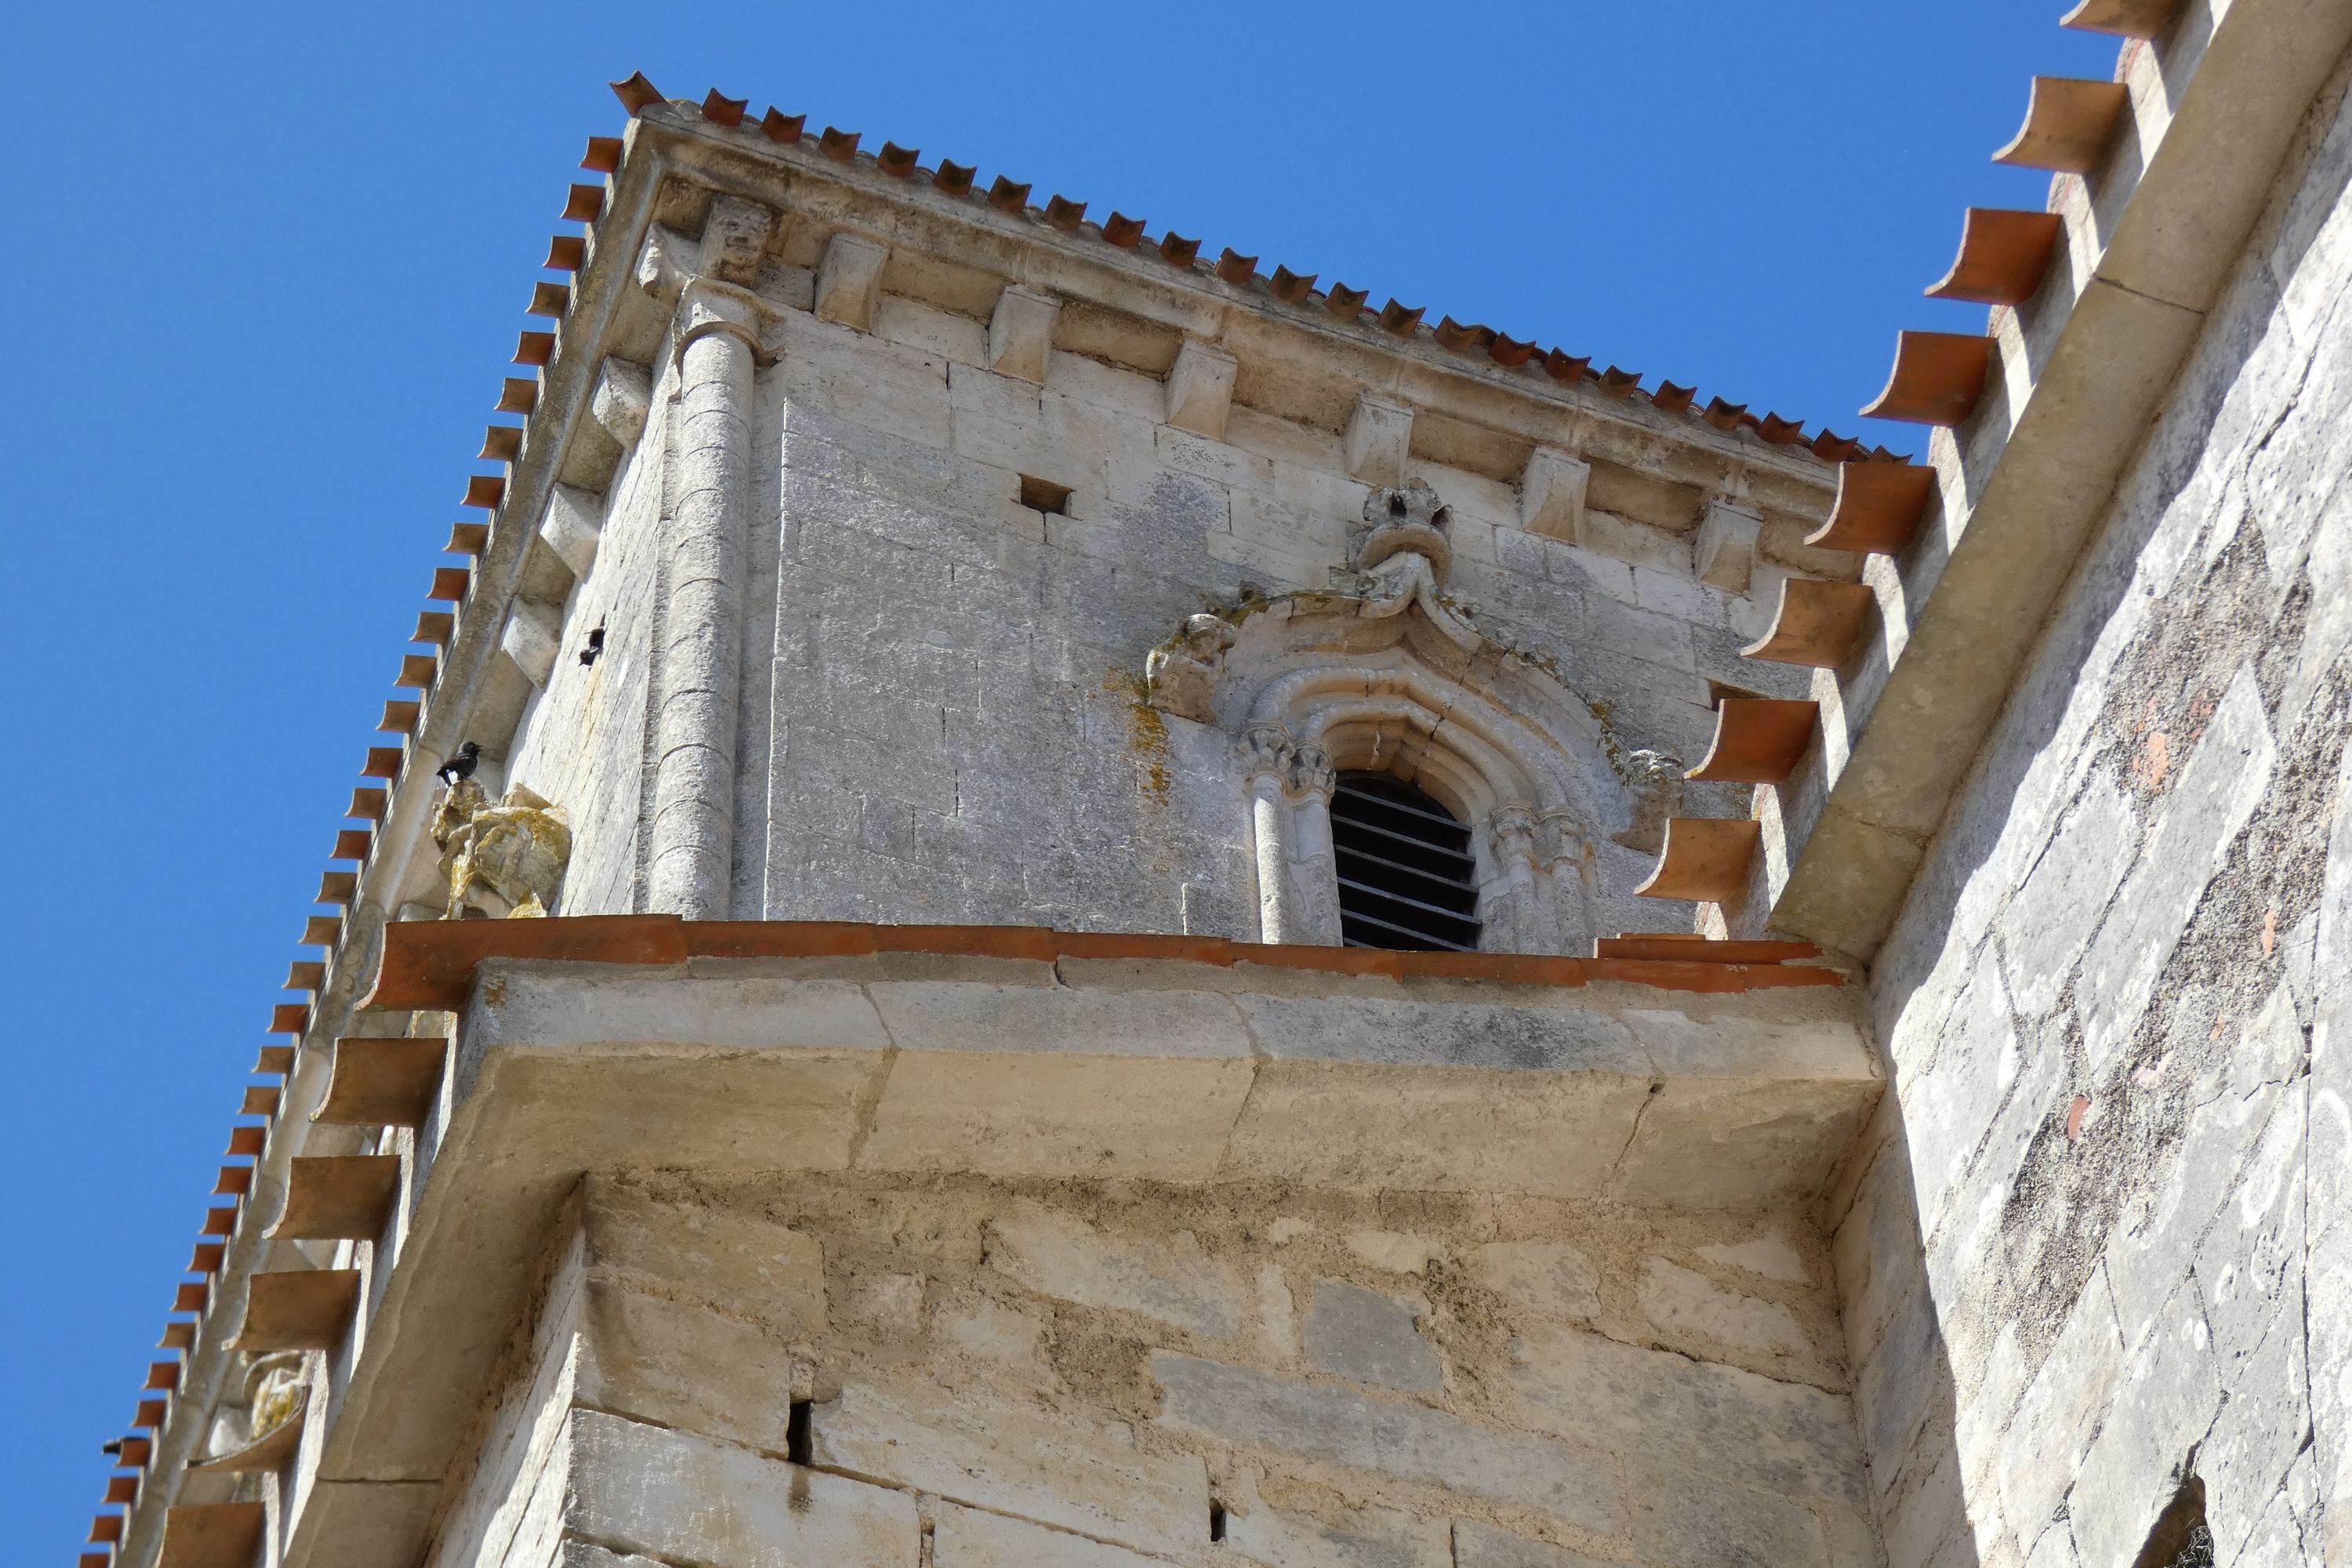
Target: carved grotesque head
(1407,517)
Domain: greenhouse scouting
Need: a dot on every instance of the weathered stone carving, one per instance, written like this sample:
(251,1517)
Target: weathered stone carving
(502,861)
(1656,783)
(1182,672)
(1407,556)
(273,1386)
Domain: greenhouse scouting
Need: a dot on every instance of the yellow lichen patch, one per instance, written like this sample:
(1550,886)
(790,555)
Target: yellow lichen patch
(1146,732)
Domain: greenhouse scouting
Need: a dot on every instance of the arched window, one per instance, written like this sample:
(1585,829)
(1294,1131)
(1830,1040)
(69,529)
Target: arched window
(1407,875)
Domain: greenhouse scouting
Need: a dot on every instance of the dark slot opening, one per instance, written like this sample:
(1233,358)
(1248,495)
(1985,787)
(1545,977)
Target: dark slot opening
(800,1447)
(1407,878)
(1043,495)
(2179,1539)
(1216,1520)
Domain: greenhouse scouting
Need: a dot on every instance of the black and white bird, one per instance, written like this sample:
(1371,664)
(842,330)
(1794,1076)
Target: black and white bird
(460,766)
(595,647)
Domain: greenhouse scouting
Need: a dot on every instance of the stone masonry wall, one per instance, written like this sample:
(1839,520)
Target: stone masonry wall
(2114,1003)
(944,715)
(866,1370)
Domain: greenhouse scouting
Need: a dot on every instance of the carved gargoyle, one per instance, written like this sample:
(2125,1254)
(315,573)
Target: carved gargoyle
(1182,672)
(505,860)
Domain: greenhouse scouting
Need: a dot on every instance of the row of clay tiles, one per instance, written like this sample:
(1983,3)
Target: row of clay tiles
(1349,305)
(1939,380)
(393,1080)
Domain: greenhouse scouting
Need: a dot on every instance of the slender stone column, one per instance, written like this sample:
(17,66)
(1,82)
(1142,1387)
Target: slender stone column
(1511,842)
(689,870)
(1266,754)
(1314,868)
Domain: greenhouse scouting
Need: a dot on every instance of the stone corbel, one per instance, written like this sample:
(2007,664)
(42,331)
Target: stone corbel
(1201,389)
(622,397)
(1407,556)
(532,637)
(1551,494)
(1380,437)
(1021,334)
(849,280)
(573,526)
(1723,553)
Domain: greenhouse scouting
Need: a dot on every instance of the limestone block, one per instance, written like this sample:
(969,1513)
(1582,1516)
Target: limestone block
(1021,334)
(967,1537)
(2258,1434)
(1769,1256)
(2054,1550)
(1685,1306)
(1669,1412)
(2061,1409)
(1367,1337)
(2050,918)
(1551,494)
(1435,1129)
(2225,779)
(1409,1442)
(849,279)
(1380,439)
(1060,1471)
(2252,1260)
(1687,1520)
(1463,1034)
(587,1554)
(688,1367)
(1542,1280)
(1201,389)
(573,526)
(622,398)
(684,1499)
(1480,1546)
(2147,1261)
(1173,1280)
(1398,1252)
(1362,1538)
(532,638)
(1947,1108)
(1723,552)
(1733,1146)
(718,1257)
(2155,1422)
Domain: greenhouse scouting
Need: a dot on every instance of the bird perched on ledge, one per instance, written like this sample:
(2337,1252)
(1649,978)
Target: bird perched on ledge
(460,766)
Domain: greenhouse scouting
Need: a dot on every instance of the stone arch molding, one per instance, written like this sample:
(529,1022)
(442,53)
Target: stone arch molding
(1386,673)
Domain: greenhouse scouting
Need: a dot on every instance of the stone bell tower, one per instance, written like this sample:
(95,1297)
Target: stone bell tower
(1030,967)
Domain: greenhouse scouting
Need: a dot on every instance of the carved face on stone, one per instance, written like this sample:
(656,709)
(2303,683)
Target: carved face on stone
(1407,517)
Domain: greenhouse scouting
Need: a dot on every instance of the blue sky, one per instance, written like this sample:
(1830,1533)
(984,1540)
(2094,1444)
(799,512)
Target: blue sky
(266,266)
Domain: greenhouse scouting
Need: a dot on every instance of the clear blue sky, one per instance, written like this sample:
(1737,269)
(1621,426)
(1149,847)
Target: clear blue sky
(267,264)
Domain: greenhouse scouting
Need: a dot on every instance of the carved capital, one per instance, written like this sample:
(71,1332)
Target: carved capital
(1268,752)
(1181,673)
(1311,772)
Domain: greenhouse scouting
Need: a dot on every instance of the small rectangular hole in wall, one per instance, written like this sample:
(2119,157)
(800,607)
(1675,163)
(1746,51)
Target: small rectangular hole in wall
(1044,495)
(1216,1520)
(800,1447)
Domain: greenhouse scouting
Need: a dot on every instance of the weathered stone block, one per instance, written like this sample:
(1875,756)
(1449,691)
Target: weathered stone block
(2050,918)
(1479,1545)
(2158,1416)
(685,1366)
(2224,781)
(531,638)
(573,526)
(1667,1412)
(1364,1538)
(684,1499)
(1062,1471)
(2061,1410)
(714,1257)
(1688,1310)
(1407,1442)
(1173,1280)
(1543,1280)
(967,1537)
(1361,1334)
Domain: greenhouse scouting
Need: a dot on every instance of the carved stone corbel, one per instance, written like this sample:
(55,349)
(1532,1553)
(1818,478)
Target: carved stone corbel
(1180,674)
